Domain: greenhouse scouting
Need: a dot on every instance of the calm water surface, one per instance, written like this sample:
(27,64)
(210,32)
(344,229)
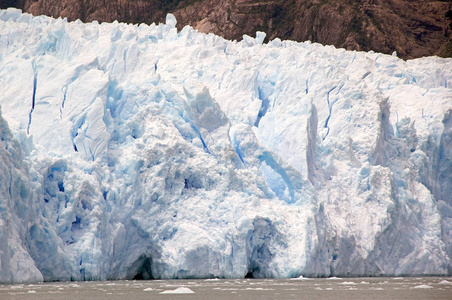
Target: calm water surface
(336,288)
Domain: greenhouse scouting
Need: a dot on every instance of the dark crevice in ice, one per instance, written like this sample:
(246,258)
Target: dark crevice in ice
(198,133)
(74,130)
(264,107)
(33,99)
(330,107)
(236,145)
(64,90)
(239,154)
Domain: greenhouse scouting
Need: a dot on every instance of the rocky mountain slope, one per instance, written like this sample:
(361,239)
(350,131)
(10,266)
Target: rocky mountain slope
(412,28)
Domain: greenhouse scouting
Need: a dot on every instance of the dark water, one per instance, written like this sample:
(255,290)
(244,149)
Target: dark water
(339,288)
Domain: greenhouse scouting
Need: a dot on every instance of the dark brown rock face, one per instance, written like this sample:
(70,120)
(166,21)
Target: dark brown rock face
(413,28)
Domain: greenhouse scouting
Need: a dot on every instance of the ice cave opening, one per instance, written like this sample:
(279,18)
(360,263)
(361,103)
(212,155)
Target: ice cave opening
(141,269)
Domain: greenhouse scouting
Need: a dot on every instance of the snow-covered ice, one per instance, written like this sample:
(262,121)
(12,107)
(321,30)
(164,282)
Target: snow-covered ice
(136,151)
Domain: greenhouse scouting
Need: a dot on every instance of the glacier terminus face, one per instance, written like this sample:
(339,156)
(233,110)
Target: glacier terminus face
(141,152)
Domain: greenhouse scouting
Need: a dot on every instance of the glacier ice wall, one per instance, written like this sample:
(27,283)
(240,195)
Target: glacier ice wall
(142,152)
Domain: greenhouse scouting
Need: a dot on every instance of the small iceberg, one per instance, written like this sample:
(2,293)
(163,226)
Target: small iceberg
(300,278)
(179,290)
(423,286)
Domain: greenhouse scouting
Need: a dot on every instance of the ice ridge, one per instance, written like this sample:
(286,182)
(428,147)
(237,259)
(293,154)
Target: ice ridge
(148,152)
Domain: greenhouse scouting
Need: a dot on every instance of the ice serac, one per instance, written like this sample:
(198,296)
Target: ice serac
(16,210)
(141,152)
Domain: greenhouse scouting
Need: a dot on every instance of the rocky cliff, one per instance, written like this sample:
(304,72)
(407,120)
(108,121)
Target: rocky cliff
(412,28)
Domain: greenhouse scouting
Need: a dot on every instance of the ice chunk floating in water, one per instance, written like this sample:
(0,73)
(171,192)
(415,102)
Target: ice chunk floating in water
(141,152)
(179,290)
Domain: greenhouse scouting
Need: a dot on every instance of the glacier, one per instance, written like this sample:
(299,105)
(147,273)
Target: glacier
(144,152)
